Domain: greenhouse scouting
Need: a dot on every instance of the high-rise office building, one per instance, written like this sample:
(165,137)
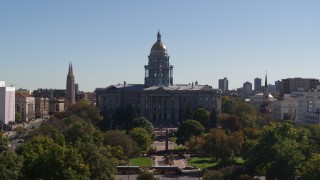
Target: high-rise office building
(257,84)
(223,84)
(247,89)
(293,84)
(76,88)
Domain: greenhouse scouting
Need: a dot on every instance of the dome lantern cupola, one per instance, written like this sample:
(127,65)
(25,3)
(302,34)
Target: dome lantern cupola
(159,36)
(158,72)
(159,46)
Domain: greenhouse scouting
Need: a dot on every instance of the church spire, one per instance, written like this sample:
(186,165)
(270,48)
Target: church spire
(70,72)
(71,69)
(158,36)
(266,80)
(70,87)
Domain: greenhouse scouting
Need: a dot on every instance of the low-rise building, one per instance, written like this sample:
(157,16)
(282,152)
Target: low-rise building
(285,109)
(89,96)
(56,105)
(308,111)
(25,105)
(41,107)
(163,106)
(23,91)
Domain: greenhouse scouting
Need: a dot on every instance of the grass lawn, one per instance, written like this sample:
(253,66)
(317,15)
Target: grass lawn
(240,161)
(206,163)
(180,147)
(173,139)
(140,161)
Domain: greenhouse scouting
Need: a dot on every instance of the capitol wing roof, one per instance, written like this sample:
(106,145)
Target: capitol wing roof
(164,88)
(180,87)
(175,87)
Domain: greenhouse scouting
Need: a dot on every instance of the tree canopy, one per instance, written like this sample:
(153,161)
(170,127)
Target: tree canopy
(142,122)
(43,159)
(203,117)
(142,137)
(188,129)
(119,138)
(279,152)
(4,142)
(10,166)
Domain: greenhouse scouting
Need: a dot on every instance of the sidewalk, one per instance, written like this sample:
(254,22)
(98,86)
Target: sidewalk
(180,163)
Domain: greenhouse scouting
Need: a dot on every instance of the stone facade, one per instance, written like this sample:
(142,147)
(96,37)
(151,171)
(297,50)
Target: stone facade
(25,105)
(159,100)
(163,106)
(41,107)
(158,71)
(285,109)
(55,106)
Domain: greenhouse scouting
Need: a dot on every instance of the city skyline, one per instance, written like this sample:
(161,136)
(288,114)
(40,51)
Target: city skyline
(109,43)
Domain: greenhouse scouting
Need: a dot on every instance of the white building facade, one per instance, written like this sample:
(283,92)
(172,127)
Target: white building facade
(7,104)
(285,109)
(308,111)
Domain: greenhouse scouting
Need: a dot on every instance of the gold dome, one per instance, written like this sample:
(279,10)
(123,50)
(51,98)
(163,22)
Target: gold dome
(158,46)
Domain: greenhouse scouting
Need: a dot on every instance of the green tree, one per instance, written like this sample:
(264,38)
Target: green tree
(145,175)
(49,131)
(214,118)
(213,175)
(18,117)
(84,110)
(311,169)
(4,142)
(203,116)
(21,131)
(188,129)
(314,137)
(188,114)
(79,130)
(10,166)
(142,122)
(101,164)
(223,146)
(243,107)
(229,106)
(43,159)
(278,152)
(217,145)
(231,122)
(142,137)
(118,138)
(195,144)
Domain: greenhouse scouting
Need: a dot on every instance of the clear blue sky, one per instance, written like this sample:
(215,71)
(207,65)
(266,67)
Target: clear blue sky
(108,41)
